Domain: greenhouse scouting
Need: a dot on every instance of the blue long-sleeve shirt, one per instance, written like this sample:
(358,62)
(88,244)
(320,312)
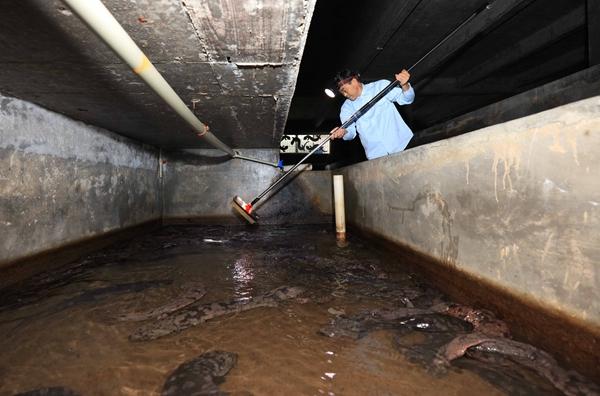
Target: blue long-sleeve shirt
(381,130)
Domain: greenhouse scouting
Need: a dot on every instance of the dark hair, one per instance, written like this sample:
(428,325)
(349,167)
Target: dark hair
(345,74)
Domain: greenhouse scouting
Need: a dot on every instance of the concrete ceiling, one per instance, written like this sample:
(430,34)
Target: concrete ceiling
(236,63)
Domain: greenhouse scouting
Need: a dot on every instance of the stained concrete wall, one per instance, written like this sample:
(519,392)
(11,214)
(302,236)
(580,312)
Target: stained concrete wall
(515,204)
(202,186)
(63,181)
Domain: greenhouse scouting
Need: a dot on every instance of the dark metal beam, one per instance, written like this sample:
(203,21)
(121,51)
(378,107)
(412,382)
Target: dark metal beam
(538,40)
(391,19)
(451,86)
(577,86)
(483,21)
(593,22)
(562,62)
(429,112)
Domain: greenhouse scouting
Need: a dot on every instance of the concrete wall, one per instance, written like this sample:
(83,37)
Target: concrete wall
(203,186)
(63,181)
(516,205)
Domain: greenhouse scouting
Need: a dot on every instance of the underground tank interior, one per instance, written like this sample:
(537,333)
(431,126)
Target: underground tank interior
(469,263)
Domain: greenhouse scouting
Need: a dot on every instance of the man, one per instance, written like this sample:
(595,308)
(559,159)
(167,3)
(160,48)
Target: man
(382,130)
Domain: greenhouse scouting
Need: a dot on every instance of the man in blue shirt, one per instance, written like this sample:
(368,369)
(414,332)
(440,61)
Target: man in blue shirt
(382,130)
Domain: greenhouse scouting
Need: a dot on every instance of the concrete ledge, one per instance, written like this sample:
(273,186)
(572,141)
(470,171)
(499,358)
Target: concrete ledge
(16,270)
(515,203)
(233,221)
(206,220)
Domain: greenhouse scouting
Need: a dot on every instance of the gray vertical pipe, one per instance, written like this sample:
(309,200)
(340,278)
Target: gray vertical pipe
(101,21)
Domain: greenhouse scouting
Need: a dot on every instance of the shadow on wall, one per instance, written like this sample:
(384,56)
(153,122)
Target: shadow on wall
(305,198)
(193,158)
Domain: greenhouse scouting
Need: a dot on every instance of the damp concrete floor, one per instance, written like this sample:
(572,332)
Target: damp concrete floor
(261,311)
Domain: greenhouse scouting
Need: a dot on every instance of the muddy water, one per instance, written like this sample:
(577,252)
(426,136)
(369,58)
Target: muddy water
(61,328)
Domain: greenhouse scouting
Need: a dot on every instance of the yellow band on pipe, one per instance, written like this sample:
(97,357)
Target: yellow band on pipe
(204,132)
(143,66)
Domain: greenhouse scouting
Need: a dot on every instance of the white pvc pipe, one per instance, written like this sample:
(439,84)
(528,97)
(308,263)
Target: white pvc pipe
(101,21)
(338,199)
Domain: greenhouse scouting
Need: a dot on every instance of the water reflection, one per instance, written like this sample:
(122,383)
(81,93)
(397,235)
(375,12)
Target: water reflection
(243,275)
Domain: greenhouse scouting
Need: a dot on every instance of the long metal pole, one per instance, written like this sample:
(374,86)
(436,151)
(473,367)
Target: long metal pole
(353,118)
(102,22)
(366,107)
